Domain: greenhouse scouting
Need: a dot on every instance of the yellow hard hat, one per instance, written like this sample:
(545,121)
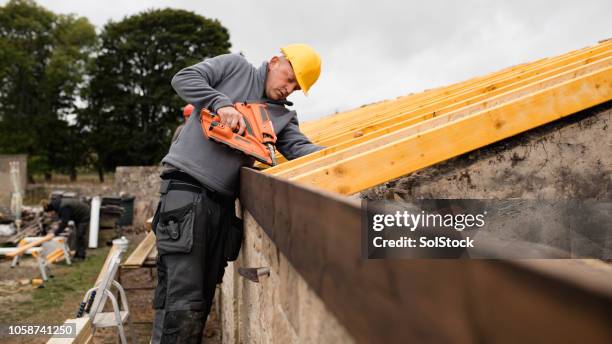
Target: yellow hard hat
(306,64)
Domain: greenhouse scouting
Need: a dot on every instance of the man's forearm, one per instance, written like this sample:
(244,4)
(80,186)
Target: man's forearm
(60,228)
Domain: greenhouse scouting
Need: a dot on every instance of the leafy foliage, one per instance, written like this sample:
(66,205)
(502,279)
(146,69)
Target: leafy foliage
(132,109)
(70,98)
(42,62)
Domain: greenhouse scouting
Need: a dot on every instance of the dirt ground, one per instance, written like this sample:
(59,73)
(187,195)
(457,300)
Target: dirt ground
(59,298)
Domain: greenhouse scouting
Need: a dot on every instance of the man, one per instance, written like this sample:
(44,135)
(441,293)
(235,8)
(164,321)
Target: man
(70,209)
(200,179)
(187,110)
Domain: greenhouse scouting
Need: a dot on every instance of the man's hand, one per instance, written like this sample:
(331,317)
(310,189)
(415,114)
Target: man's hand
(232,118)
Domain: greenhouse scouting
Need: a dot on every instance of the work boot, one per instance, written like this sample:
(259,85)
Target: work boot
(183,327)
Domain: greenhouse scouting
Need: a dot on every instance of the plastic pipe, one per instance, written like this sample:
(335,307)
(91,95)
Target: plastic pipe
(94,221)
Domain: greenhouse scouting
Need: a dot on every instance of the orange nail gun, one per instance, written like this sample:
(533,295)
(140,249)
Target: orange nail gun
(258,139)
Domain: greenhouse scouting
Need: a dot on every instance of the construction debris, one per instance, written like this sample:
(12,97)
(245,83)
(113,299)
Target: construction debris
(31,224)
(7,230)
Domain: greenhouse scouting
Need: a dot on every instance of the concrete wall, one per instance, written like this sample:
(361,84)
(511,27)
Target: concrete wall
(6,186)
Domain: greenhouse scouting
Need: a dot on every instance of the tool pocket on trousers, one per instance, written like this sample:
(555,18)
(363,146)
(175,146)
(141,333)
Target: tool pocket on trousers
(175,230)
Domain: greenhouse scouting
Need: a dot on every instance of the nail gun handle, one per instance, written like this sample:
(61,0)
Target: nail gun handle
(216,122)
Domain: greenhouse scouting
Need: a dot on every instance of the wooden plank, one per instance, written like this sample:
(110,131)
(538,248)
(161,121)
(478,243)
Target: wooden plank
(153,254)
(487,83)
(348,128)
(312,128)
(401,301)
(84,332)
(32,229)
(21,249)
(341,120)
(440,143)
(409,127)
(466,98)
(149,224)
(141,252)
(55,256)
(106,264)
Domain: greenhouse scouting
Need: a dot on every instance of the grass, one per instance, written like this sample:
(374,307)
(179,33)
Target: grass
(61,295)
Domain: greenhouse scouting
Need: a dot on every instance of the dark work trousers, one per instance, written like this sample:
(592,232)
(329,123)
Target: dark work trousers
(77,239)
(189,225)
(81,239)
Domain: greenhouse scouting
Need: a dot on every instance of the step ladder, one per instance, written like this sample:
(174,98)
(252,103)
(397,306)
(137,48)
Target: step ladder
(96,297)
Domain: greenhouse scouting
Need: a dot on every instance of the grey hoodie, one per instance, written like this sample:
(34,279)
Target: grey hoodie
(215,83)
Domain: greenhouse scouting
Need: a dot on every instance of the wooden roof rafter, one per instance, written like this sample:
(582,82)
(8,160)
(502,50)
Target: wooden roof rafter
(552,88)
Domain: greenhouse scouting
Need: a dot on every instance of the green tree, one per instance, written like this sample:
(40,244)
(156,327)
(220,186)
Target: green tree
(42,61)
(132,109)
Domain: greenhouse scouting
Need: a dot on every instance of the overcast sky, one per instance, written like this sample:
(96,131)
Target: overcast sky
(378,49)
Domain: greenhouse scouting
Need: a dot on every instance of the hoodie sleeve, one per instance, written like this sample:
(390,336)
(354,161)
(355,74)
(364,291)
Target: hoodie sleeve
(65,215)
(196,84)
(292,143)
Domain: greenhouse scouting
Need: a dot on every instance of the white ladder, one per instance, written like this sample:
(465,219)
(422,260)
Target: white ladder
(118,317)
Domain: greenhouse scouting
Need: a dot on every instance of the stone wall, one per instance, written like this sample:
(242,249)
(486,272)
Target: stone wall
(281,308)
(566,159)
(142,182)
(39,191)
(6,186)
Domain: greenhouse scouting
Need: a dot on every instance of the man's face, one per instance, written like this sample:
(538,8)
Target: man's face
(280,82)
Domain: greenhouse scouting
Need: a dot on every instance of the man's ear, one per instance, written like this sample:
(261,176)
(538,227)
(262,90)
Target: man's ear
(274,61)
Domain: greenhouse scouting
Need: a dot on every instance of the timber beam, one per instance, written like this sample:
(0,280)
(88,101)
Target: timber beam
(353,173)
(399,301)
